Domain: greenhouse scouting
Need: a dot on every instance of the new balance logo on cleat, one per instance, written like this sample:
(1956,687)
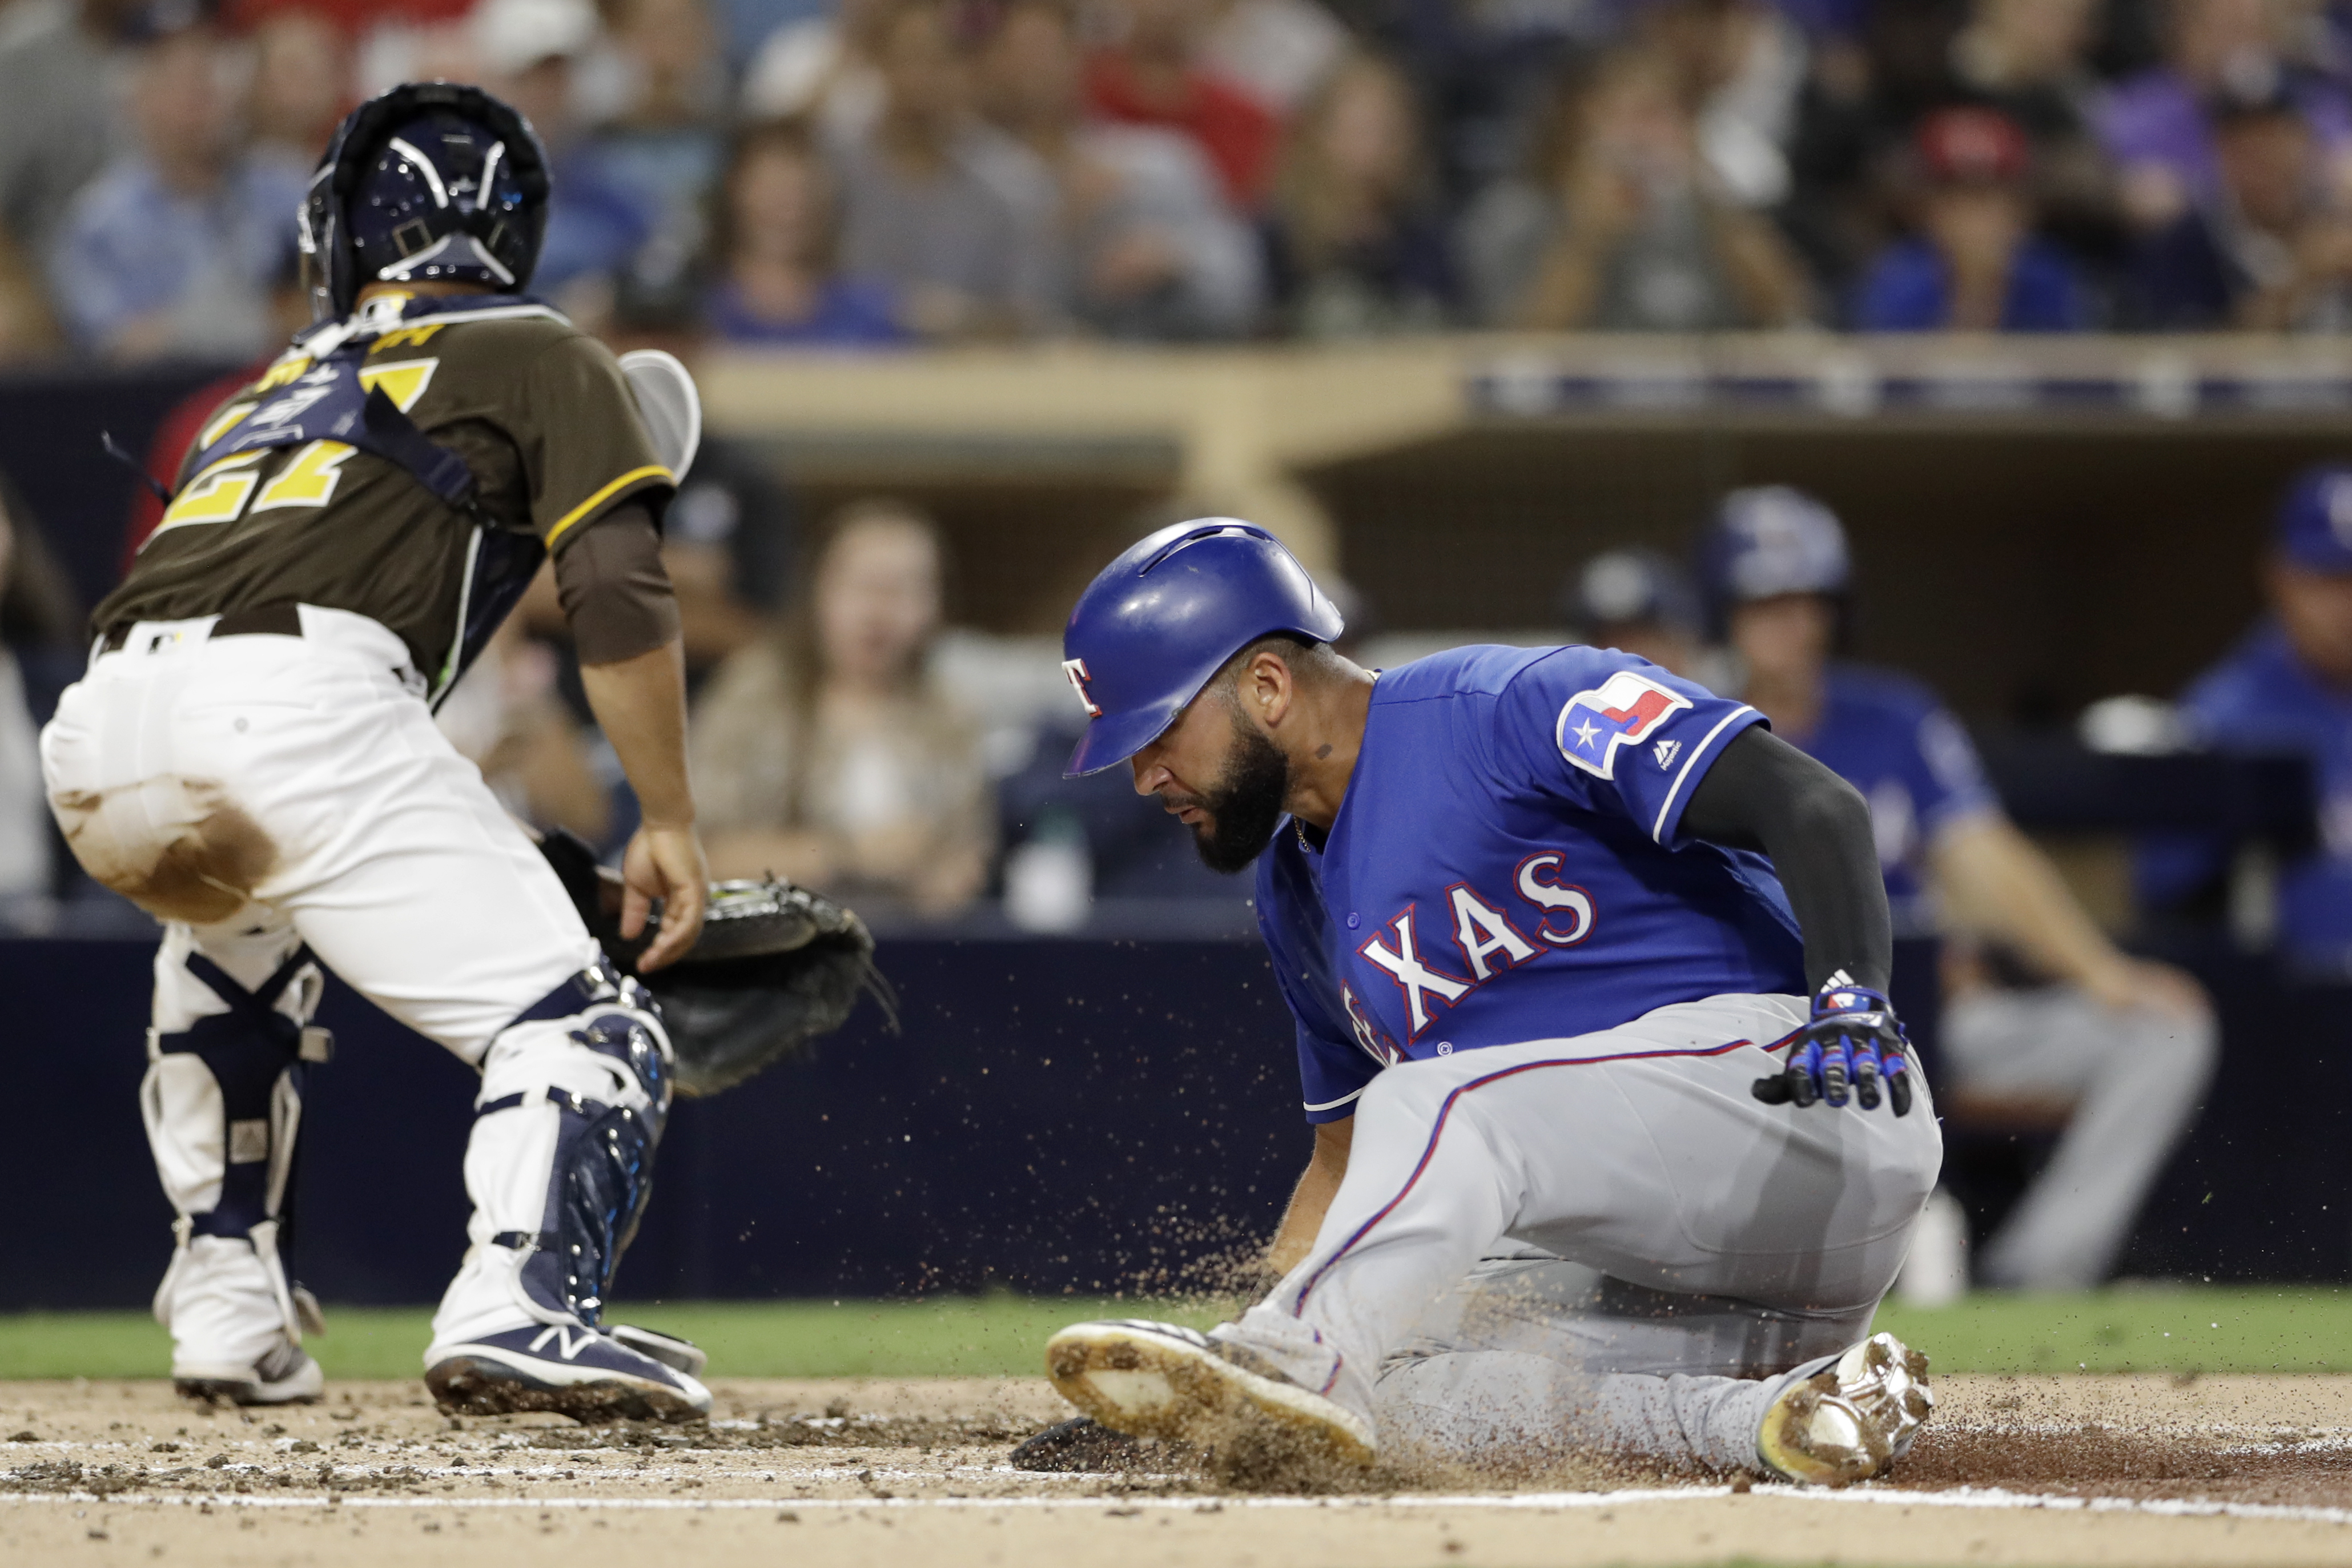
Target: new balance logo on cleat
(565,1345)
(1666,751)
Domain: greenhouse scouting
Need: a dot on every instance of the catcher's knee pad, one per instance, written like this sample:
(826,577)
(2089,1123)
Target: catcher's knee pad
(222,1105)
(575,1093)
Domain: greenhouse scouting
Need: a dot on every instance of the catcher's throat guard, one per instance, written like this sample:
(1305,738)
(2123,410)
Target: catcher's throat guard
(775,967)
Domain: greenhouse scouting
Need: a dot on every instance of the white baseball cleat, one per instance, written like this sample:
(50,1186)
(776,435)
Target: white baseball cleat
(286,1375)
(1851,1422)
(1157,1380)
(574,1371)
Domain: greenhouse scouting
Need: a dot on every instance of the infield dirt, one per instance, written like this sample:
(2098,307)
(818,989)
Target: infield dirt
(2023,1471)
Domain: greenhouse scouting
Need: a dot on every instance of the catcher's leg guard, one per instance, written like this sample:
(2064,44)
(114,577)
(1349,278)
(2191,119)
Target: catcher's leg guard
(575,1096)
(223,1104)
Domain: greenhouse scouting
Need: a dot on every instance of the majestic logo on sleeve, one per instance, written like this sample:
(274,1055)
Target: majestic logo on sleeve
(1624,710)
(1075,669)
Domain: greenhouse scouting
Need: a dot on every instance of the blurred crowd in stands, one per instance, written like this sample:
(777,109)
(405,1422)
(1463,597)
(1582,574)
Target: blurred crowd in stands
(858,174)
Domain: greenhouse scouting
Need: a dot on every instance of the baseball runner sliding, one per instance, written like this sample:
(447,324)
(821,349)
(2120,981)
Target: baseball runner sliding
(1617,1142)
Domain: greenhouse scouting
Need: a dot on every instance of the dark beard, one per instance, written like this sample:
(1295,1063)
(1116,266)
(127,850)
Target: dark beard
(1245,806)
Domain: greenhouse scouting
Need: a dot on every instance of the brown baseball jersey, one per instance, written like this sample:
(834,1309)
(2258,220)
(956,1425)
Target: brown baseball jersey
(265,514)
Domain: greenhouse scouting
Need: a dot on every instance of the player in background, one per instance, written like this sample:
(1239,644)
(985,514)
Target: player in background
(251,757)
(2038,1005)
(1637,602)
(2287,687)
(1562,1032)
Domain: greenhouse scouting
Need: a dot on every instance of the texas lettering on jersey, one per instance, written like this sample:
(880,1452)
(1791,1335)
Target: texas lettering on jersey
(1508,864)
(1483,936)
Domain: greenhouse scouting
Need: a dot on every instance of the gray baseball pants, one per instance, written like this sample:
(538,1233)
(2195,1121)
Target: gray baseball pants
(1680,1246)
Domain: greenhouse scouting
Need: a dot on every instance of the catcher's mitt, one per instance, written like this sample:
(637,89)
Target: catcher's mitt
(775,967)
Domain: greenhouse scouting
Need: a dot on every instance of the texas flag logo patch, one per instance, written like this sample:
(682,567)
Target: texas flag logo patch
(1625,710)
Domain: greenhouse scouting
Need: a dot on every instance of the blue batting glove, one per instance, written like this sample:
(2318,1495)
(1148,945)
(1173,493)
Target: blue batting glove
(1853,1049)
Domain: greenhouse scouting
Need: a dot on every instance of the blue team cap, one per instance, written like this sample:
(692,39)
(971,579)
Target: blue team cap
(1769,540)
(1162,619)
(2314,525)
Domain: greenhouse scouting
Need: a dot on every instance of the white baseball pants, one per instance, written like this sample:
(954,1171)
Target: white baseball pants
(259,793)
(1727,1239)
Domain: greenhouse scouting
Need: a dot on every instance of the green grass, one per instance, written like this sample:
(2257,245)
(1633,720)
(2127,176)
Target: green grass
(951,1336)
(2188,1329)
(2205,1328)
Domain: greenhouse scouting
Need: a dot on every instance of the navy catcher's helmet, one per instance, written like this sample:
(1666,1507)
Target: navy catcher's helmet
(1162,619)
(430,182)
(1766,541)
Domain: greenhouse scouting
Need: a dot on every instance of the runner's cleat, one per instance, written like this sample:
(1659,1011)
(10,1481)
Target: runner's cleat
(1157,1380)
(574,1371)
(287,1375)
(1851,1422)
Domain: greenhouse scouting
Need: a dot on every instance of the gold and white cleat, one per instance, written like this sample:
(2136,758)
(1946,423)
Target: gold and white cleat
(1158,1380)
(1851,1422)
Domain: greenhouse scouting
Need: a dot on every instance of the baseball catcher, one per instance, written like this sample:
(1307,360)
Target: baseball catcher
(251,757)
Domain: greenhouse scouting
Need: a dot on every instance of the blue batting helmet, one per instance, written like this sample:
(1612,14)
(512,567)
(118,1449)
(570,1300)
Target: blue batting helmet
(1162,619)
(430,182)
(1771,539)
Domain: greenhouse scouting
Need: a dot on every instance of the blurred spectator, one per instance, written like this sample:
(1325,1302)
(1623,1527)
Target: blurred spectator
(2028,59)
(2266,251)
(2287,687)
(1151,249)
(170,251)
(1975,265)
(1621,229)
(507,718)
(778,244)
(1355,243)
(2156,125)
(825,755)
(300,88)
(2129,1044)
(40,655)
(1743,63)
(955,216)
(1275,52)
(59,118)
(659,92)
(1150,75)
(828,69)
(527,51)
(1639,601)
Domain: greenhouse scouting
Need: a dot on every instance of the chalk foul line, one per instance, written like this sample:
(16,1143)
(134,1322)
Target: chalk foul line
(1962,1497)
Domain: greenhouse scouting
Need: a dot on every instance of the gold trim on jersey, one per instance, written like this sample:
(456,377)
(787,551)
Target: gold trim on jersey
(650,472)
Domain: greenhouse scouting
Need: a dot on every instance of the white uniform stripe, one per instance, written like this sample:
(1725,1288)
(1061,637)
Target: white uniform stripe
(1336,1104)
(1697,751)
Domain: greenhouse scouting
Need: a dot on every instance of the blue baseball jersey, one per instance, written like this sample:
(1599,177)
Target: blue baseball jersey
(2262,698)
(1508,864)
(1889,737)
